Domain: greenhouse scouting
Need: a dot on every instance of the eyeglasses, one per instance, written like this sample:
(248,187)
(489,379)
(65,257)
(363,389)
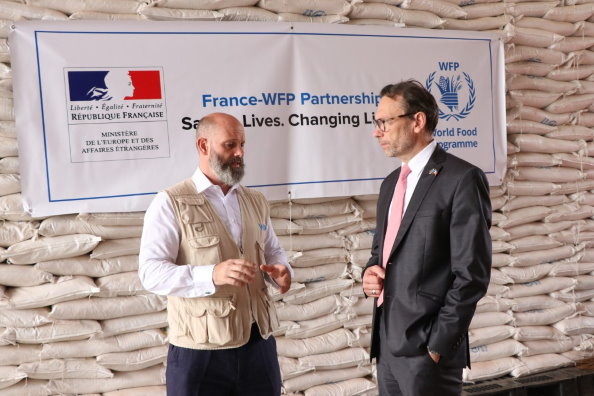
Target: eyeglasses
(380,123)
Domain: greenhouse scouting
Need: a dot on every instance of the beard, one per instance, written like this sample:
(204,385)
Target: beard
(225,171)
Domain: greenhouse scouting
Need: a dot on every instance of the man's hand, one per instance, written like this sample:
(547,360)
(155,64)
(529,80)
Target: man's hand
(280,273)
(373,280)
(234,272)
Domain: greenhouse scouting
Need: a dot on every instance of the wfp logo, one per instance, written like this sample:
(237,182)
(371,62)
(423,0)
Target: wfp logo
(114,84)
(454,89)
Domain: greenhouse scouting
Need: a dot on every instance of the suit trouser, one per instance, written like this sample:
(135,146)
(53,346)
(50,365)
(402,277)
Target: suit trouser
(251,369)
(413,375)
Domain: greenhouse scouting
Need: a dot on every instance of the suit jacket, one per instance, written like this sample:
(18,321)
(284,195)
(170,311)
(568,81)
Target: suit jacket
(440,263)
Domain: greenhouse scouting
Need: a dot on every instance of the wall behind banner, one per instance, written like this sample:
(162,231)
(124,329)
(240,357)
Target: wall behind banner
(68,284)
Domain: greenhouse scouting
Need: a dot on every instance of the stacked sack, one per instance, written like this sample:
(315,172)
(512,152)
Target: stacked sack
(324,336)
(537,315)
(74,317)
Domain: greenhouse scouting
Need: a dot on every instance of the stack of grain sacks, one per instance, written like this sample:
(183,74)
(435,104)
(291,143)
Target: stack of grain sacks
(74,319)
(325,319)
(537,315)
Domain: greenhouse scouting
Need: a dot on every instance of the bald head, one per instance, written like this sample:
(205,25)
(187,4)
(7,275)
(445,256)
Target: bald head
(219,140)
(211,123)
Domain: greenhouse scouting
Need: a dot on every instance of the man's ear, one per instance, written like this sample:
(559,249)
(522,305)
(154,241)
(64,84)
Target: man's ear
(420,121)
(202,146)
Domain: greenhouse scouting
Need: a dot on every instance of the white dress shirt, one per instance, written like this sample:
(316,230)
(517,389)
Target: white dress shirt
(160,241)
(416,165)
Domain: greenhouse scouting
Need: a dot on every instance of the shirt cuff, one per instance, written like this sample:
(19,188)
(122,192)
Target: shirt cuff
(202,278)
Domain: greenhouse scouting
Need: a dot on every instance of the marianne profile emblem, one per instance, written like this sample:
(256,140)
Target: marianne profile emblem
(455,94)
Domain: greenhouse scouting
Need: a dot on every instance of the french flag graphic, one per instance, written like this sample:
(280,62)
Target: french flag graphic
(114,84)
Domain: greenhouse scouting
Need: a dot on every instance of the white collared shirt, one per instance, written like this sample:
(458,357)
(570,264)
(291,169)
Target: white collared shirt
(160,241)
(416,165)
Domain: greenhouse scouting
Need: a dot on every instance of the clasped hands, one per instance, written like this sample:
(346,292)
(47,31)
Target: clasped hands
(240,272)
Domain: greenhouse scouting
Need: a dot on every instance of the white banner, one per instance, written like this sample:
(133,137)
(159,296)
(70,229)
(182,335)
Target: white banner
(106,111)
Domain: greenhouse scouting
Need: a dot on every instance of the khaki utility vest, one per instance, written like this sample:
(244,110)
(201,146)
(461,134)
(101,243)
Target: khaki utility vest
(222,320)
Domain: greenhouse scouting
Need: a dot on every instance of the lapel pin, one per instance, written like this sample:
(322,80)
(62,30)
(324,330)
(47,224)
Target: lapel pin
(433,172)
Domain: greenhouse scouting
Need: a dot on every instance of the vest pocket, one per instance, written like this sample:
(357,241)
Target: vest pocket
(211,320)
(191,209)
(193,214)
(196,326)
(207,247)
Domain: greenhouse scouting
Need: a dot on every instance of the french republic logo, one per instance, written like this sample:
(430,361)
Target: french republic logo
(114,84)
(457,94)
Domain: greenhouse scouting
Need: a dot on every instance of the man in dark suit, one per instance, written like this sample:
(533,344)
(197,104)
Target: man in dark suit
(431,256)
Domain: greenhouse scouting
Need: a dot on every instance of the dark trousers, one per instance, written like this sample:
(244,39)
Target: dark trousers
(251,369)
(413,375)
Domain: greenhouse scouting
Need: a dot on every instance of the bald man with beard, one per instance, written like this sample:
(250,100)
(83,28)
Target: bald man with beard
(208,245)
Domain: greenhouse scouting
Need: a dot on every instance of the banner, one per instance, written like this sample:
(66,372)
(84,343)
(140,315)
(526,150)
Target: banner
(106,111)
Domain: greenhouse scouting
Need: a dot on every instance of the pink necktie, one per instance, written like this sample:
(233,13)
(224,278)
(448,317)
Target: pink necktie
(394,219)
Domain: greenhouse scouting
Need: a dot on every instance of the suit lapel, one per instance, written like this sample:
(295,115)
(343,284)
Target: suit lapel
(429,174)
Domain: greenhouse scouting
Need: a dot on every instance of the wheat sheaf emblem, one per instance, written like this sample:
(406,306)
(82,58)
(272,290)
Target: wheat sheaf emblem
(449,87)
